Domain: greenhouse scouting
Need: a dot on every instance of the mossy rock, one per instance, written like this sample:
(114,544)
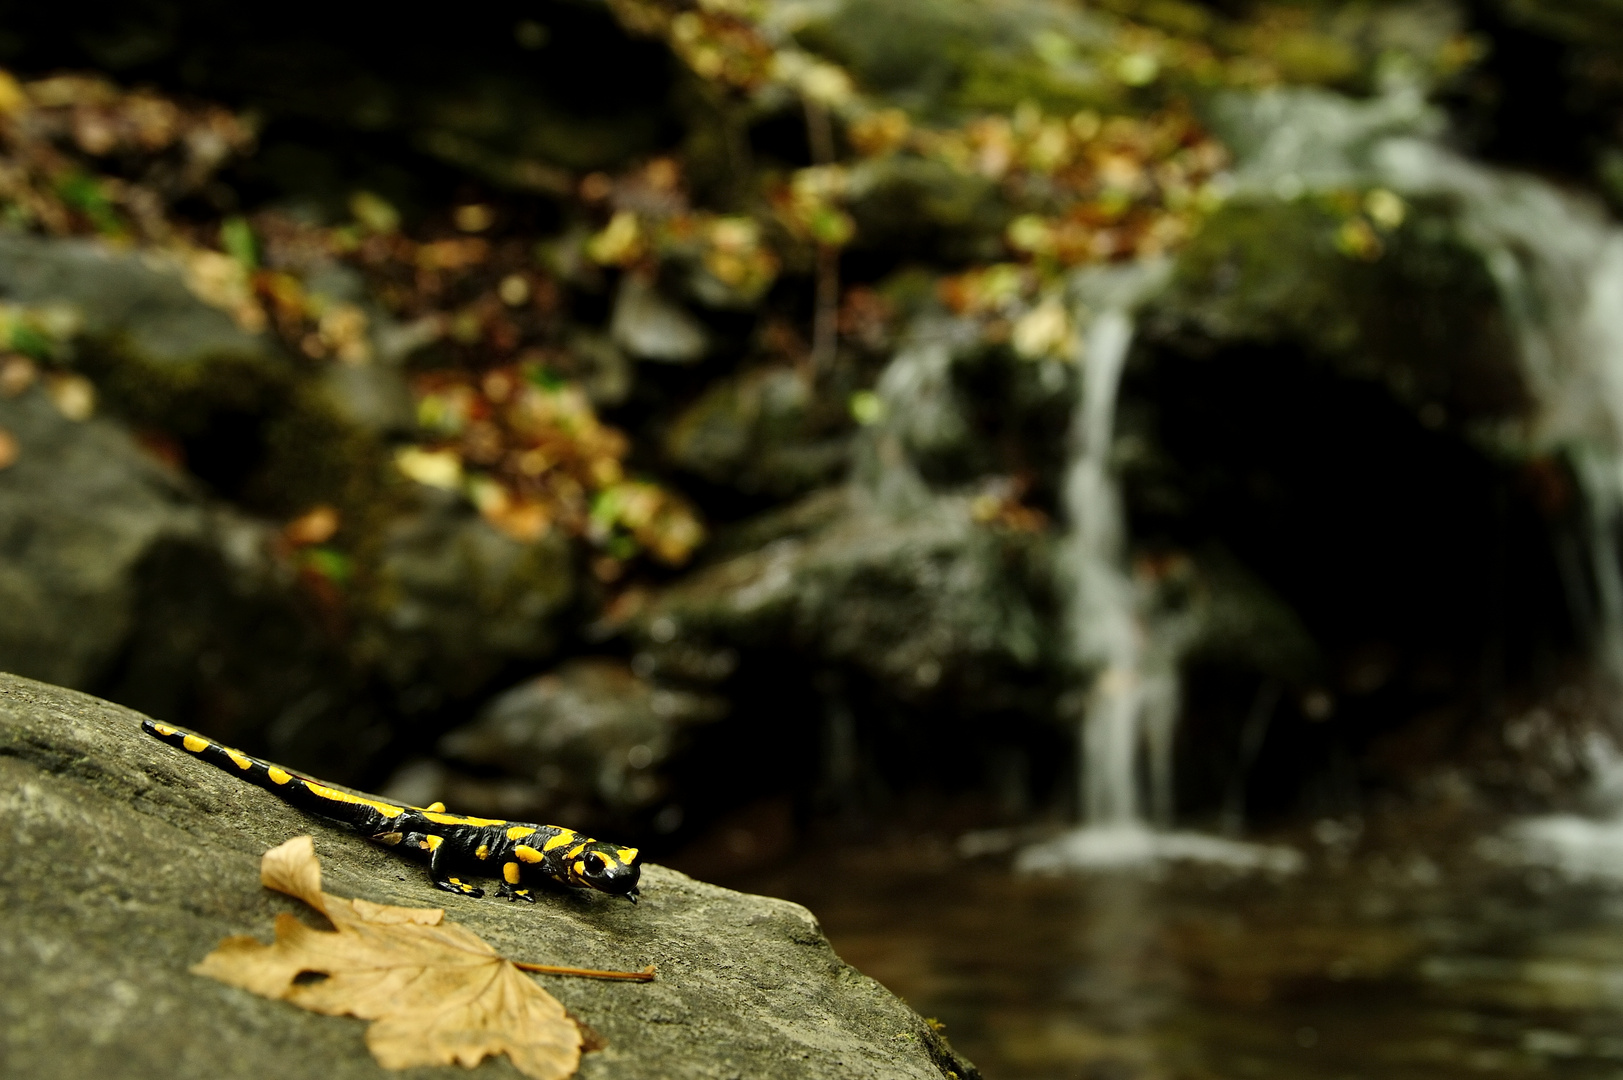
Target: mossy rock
(1420,314)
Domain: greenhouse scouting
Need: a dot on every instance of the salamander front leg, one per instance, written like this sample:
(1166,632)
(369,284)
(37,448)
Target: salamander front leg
(507,892)
(512,875)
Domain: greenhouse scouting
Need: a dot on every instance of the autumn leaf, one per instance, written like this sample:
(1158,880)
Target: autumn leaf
(436,994)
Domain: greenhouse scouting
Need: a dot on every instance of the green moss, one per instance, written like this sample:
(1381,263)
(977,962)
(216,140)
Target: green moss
(950,57)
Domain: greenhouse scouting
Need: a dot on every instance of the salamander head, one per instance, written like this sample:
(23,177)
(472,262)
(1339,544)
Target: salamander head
(608,868)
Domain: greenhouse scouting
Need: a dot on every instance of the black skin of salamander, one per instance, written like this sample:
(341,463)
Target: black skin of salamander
(452,845)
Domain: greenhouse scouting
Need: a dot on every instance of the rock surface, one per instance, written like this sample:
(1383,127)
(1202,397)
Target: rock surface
(911,599)
(124,862)
(589,740)
(82,508)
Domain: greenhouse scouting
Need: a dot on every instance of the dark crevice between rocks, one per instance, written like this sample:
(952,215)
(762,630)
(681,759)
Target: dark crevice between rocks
(1424,572)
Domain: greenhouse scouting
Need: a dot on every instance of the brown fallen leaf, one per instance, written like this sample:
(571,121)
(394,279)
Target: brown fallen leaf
(436,994)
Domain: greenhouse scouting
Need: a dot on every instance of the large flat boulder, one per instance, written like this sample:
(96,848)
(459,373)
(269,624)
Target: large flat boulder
(123,862)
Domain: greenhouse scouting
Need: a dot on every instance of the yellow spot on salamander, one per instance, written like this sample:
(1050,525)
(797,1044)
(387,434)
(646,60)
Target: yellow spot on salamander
(278,775)
(240,760)
(482,851)
(580,869)
(565,837)
(432,843)
(527,854)
(519,832)
(195,744)
(345,797)
(437,807)
(163,729)
(627,855)
(510,872)
(457,819)
(576,850)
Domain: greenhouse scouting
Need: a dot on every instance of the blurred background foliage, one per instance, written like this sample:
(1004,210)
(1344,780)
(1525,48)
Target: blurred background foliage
(644,412)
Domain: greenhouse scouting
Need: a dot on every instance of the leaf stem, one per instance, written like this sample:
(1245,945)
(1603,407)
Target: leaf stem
(645,975)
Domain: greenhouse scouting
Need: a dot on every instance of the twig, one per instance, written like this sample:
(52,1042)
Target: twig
(825,318)
(645,975)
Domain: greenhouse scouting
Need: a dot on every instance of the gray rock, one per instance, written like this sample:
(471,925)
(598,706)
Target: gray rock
(80,511)
(138,300)
(374,397)
(124,862)
(1267,270)
(588,737)
(917,599)
(455,598)
(601,367)
(755,432)
(648,325)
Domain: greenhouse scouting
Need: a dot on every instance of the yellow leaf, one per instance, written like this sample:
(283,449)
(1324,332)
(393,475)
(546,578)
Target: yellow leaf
(436,468)
(436,994)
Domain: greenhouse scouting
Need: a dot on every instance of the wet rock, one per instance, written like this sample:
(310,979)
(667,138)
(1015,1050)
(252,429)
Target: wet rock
(455,599)
(756,432)
(964,55)
(126,862)
(917,599)
(1244,624)
(80,510)
(587,741)
(649,326)
(247,420)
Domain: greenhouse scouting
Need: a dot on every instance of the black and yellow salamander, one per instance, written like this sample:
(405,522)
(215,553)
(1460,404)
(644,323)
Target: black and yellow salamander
(455,847)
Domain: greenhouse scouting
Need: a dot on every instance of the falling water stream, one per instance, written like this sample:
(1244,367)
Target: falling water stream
(1124,647)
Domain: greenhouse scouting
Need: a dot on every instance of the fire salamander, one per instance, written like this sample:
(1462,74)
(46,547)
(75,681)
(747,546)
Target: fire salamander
(451,844)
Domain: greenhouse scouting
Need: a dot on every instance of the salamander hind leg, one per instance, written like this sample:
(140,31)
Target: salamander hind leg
(441,874)
(458,886)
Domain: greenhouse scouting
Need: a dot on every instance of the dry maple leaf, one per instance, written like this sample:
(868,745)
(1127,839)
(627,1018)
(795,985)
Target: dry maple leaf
(435,993)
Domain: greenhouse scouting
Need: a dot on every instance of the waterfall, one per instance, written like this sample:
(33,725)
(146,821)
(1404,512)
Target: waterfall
(1103,625)
(1126,651)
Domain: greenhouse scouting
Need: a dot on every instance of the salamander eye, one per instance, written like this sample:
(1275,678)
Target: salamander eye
(597,863)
